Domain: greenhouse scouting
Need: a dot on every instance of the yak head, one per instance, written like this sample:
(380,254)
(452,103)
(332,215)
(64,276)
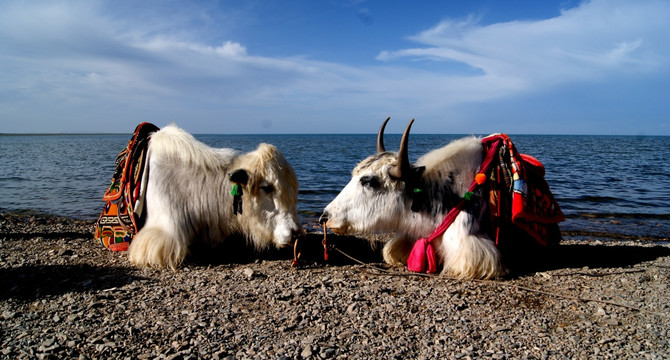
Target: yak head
(271,192)
(384,189)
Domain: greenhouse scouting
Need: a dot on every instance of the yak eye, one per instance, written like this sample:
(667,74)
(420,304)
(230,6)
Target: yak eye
(268,188)
(370,181)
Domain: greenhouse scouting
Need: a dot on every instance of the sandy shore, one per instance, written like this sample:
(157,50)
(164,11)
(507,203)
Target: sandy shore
(62,295)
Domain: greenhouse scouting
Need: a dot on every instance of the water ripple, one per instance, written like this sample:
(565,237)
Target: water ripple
(622,175)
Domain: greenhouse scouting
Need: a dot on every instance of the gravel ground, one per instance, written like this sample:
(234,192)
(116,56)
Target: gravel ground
(62,295)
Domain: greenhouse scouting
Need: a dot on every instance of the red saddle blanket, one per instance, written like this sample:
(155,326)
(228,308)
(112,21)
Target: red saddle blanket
(121,216)
(518,196)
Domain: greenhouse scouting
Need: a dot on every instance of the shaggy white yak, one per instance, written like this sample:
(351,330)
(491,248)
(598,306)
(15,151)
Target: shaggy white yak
(380,198)
(188,198)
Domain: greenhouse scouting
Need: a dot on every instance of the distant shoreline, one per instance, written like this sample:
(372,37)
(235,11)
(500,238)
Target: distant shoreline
(60,134)
(323,134)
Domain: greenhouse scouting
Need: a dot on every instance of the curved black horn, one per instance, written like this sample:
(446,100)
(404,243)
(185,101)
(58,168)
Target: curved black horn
(380,137)
(403,166)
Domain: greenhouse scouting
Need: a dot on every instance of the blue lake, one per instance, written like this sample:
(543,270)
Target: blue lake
(611,184)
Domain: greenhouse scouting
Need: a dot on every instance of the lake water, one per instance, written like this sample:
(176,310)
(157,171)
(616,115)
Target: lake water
(610,184)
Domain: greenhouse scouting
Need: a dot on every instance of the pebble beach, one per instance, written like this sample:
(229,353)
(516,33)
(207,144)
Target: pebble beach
(64,296)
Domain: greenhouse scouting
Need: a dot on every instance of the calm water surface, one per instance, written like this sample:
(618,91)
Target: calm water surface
(613,184)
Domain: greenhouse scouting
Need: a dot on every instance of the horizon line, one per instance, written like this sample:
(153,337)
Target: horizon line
(307,134)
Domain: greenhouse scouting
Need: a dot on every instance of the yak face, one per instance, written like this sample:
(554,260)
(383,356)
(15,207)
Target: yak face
(270,192)
(383,188)
(373,201)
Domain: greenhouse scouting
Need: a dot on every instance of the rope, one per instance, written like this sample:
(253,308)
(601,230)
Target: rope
(325,242)
(296,254)
(380,271)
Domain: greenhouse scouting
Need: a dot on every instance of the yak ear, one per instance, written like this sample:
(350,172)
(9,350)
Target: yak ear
(239,176)
(413,175)
(418,171)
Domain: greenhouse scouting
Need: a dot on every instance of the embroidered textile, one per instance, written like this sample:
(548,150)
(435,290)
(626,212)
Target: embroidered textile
(121,216)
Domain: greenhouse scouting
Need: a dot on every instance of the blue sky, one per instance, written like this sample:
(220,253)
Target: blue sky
(326,66)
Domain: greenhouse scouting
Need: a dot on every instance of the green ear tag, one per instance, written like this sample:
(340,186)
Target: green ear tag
(417,190)
(236,190)
(467,196)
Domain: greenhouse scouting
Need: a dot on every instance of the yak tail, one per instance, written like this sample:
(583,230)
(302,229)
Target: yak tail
(153,247)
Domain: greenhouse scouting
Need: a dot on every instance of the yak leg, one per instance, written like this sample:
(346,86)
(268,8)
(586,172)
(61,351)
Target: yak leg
(397,251)
(154,247)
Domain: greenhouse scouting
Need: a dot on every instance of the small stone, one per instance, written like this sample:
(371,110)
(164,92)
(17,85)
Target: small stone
(612,322)
(327,353)
(605,341)
(306,352)
(48,342)
(248,273)
(345,335)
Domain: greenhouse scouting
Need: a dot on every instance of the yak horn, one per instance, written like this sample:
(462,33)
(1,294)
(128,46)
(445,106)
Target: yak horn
(403,166)
(380,137)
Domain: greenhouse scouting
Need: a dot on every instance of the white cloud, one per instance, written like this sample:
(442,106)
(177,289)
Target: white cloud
(72,60)
(585,43)
(231,49)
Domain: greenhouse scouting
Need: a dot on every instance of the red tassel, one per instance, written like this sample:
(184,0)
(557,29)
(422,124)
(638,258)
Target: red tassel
(423,257)
(417,261)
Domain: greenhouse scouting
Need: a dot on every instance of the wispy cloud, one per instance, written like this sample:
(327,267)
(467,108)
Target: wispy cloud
(596,39)
(67,60)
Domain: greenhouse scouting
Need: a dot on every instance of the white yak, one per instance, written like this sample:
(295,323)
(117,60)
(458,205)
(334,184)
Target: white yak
(380,198)
(189,200)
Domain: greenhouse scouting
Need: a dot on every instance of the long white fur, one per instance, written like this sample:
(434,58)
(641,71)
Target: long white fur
(188,199)
(463,250)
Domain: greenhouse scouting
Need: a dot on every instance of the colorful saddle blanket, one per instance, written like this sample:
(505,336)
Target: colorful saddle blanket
(519,195)
(518,198)
(122,215)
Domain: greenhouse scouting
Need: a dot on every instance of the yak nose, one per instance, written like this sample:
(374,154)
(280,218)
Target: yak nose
(324,218)
(297,233)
